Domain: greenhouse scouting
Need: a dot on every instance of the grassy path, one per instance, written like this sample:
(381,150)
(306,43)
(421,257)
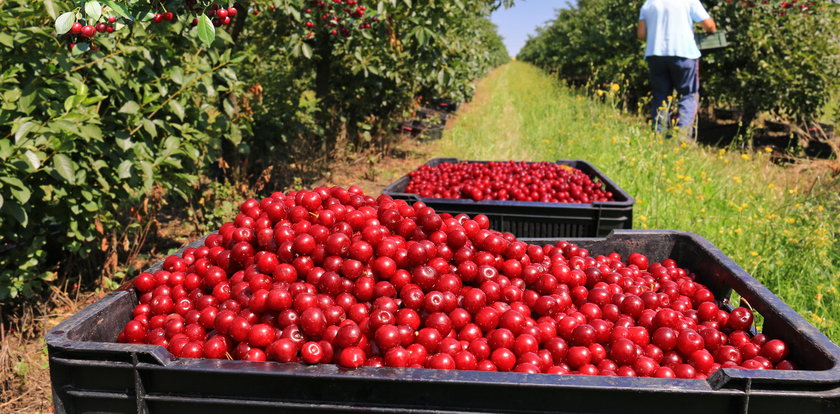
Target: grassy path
(780,228)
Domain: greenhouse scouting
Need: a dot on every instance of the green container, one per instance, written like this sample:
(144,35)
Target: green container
(715,40)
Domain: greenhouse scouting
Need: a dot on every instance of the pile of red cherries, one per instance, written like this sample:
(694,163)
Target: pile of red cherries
(507,180)
(332,276)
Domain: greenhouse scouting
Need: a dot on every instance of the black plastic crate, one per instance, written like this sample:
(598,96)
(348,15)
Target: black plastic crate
(424,131)
(536,219)
(432,132)
(413,128)
(92,373)
(425,114)
(444,104)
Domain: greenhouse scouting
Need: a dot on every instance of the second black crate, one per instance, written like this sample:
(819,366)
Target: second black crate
(536,219)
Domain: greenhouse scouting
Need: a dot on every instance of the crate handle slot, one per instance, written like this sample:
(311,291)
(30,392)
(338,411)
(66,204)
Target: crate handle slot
(139,390)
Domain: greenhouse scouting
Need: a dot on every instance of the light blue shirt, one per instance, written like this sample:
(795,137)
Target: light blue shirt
(670,27)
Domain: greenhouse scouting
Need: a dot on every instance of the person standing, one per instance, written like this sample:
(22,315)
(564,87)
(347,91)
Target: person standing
(672,55)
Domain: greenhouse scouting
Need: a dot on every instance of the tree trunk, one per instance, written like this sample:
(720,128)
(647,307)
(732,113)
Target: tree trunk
(323,90)
(239,22)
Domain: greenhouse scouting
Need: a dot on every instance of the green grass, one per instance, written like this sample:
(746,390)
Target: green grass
(831,114)
(771,220)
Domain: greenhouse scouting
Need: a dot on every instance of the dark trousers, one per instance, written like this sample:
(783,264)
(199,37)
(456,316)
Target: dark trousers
(669,73)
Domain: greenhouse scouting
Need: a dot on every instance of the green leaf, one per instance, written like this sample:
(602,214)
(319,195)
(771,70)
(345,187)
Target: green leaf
(64,23)
(69,103)
(16,211)
(206,30)
(129,107)
(1,201)
(171,144)
(91,132)
(64,167)
(124,143)
(33,160)
(149,126)
(49,5)
(5,149)
(177,75)
(90,206)
(229,108)
(93,10)
(80,48)
(177,109)
(307,50)
(117,8)
(295,13)
(124,170)
(7,40)
(23,130)
(148,175)
(12,181)
(22,194)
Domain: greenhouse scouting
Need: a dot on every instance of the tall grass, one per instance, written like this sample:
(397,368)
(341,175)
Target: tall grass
(782,227)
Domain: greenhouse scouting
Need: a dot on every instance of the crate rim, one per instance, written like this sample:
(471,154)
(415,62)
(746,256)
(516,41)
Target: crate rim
(726,379)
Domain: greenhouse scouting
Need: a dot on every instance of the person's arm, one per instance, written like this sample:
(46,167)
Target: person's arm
(641,31)
(708,25)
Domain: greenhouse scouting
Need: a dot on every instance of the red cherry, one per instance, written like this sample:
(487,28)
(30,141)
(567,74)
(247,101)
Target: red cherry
(774,350)
(312,353)
(351,357)
(87,31)
(740,319)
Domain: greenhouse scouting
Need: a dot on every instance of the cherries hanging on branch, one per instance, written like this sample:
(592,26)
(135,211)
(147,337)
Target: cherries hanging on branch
(90,19)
